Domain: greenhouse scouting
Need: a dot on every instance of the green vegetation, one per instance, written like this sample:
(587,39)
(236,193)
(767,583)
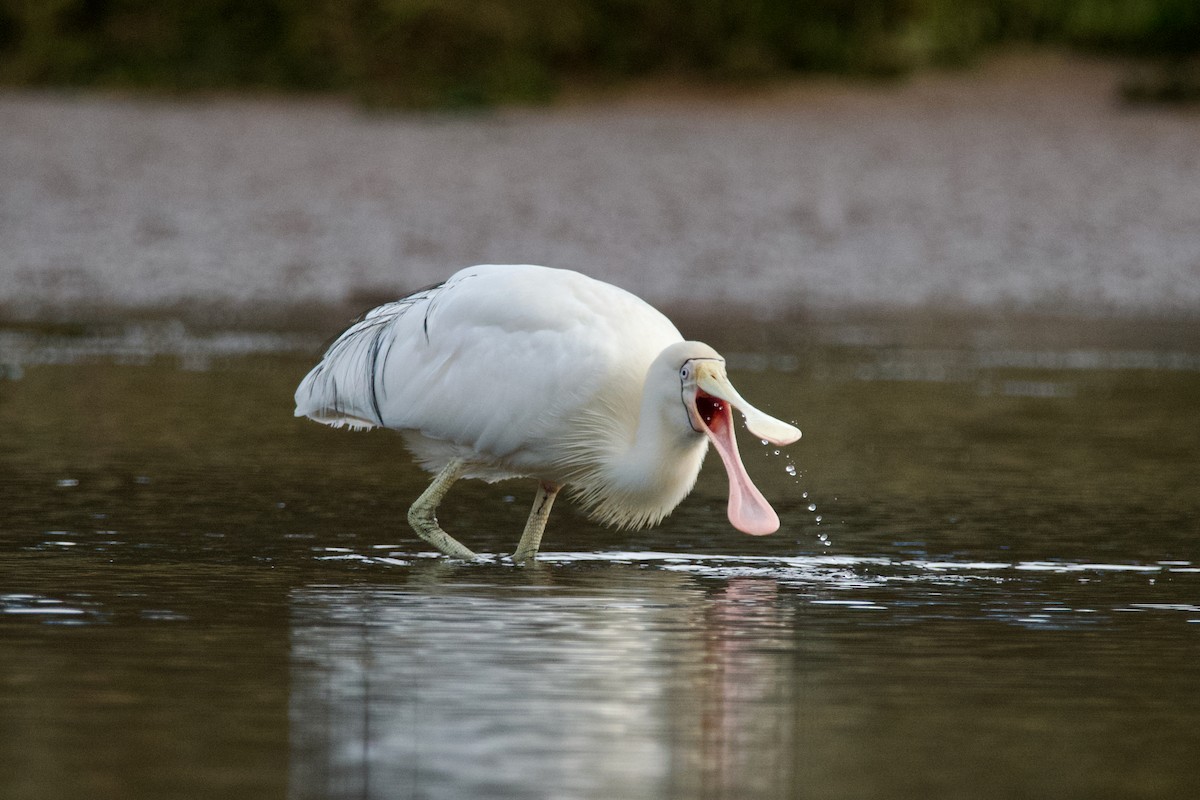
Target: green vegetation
(468,52)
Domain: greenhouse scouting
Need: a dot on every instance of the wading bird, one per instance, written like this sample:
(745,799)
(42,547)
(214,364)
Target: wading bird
(530,372)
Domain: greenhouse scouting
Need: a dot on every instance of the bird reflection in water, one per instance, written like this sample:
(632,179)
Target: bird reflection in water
(645,687)
(747,701)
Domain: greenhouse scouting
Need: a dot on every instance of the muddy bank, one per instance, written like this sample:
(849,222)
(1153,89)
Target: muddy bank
(1024,186)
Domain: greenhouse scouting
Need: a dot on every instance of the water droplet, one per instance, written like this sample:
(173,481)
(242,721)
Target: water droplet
(776,452)
(790,469)
(812,506)
(818,519)
(804,495)
(68,481)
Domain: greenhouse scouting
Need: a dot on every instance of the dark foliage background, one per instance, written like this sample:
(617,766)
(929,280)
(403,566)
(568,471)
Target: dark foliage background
(467,52)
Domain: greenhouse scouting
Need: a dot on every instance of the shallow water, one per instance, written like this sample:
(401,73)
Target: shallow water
(987,584)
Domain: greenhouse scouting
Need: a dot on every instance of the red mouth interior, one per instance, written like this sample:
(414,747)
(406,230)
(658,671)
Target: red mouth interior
(710,409)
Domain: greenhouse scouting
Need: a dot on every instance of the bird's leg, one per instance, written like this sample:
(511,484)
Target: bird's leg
(422,515)
(531,539)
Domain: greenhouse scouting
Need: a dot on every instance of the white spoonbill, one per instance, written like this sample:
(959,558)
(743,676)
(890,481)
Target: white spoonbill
(530,372)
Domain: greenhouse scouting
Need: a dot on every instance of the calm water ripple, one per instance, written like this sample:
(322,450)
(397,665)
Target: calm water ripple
(1001,597)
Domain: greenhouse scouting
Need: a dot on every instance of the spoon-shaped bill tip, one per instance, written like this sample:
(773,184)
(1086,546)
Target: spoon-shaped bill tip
(762,425)
(775,431)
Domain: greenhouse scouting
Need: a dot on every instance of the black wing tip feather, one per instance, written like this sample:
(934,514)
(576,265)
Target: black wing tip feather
(364,344)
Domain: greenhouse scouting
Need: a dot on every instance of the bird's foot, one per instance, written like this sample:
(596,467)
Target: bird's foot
(430,532)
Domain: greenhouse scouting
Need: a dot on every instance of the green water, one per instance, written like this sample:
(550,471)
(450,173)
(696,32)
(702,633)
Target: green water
(201,596)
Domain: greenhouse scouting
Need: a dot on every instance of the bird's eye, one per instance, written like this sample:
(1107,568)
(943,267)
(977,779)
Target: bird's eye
(685,372)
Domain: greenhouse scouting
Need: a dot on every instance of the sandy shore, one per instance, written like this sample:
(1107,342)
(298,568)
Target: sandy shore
(1022,186)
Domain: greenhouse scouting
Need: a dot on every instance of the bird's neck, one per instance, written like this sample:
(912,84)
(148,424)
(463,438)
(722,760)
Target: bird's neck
(660,448)
(659,466)
(642,457)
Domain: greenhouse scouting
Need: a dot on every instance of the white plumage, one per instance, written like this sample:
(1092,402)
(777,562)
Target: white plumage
(524,371)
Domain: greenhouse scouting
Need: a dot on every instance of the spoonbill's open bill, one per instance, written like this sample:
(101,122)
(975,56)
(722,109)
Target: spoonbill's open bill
(530,372)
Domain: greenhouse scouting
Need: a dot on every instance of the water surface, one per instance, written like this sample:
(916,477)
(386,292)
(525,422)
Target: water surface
(987,584)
